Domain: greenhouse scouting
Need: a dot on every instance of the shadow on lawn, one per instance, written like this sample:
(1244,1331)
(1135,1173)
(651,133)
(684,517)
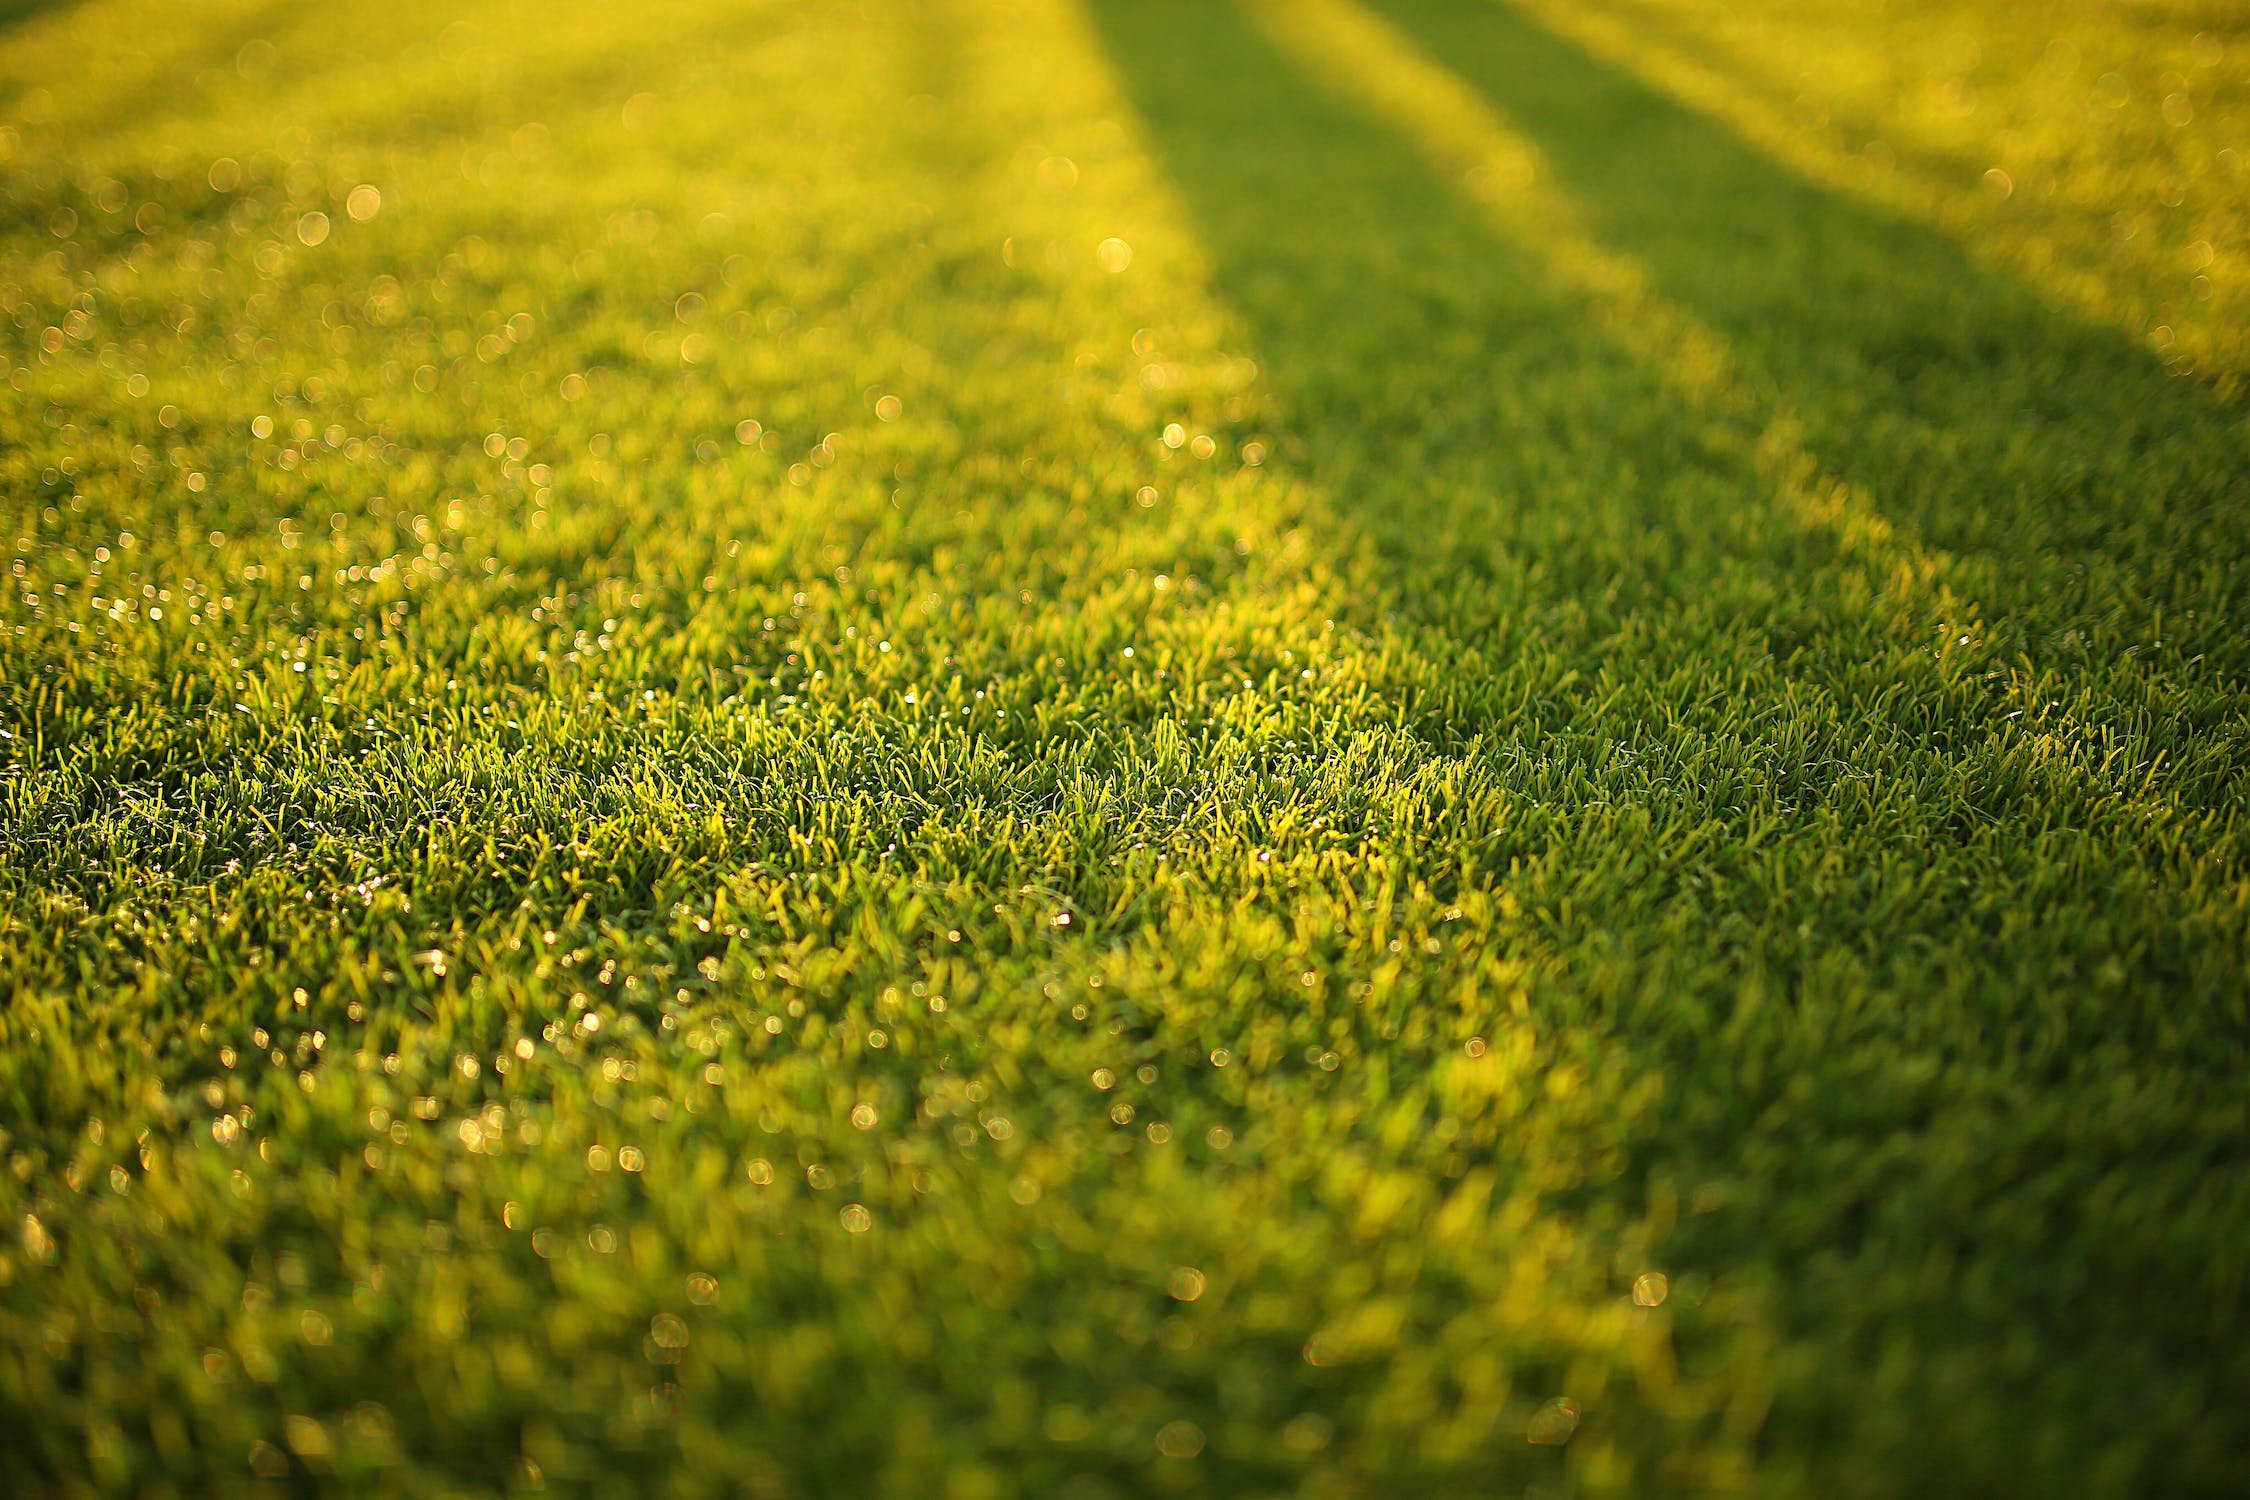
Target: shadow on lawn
(1533,484)
(1992,423)
(2067,475)
(1954,454)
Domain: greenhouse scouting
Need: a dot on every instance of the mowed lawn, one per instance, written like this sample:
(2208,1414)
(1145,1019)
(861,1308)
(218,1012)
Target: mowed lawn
(1109,748)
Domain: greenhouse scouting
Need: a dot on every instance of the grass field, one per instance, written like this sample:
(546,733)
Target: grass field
(1096,748)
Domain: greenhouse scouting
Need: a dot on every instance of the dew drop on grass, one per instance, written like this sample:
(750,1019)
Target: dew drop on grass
(1553,1423)
(1058,174)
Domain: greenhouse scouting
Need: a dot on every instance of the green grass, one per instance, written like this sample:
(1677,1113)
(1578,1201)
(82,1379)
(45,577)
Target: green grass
(704,802)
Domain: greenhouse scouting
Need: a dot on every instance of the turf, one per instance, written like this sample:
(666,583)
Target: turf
(1092,748)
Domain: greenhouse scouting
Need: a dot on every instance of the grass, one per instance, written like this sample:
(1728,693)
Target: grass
(1104,747)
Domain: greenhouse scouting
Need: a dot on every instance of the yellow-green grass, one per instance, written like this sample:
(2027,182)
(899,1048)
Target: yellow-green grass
(991,748)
